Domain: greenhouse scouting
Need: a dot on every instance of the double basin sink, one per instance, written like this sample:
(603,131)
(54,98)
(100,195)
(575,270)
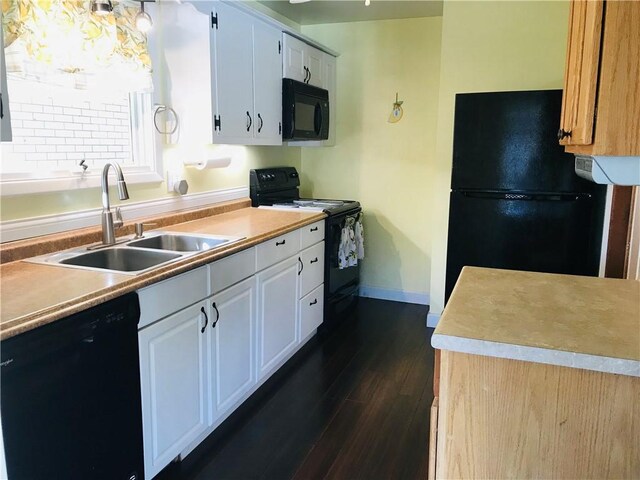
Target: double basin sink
(138,256)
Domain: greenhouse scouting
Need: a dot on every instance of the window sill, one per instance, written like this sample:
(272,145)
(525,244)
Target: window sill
(24,186)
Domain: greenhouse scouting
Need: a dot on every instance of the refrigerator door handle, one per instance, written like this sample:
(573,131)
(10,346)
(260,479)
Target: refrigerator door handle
(544,197)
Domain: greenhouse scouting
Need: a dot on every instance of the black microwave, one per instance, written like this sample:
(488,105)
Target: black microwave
(305,111)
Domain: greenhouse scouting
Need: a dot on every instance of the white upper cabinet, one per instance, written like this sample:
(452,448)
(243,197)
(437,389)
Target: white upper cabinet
(5,119)
(302,62)
(267,84)
(232,74)
(223,73)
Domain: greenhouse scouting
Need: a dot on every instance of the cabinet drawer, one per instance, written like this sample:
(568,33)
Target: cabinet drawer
(311,311)
(312,273)
(166,297)
(311,234)
(231,270)
(277,249)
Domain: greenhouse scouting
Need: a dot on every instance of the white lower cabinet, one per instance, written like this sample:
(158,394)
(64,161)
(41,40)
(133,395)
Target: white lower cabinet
(197,365)
(173,366)
(277,313)
(231,345)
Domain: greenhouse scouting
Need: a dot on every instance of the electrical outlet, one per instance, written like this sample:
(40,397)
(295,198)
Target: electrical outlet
(172,179)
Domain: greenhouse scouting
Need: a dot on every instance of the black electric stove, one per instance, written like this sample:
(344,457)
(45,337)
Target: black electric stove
(278,188)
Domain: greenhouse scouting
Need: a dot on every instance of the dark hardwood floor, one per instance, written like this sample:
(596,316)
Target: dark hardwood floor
(353,404)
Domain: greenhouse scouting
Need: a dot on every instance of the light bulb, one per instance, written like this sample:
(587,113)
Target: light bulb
(367,3)
(143,20)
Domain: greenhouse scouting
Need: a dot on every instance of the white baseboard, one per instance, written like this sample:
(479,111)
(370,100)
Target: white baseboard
(394,295)
(33,227)
(432,319)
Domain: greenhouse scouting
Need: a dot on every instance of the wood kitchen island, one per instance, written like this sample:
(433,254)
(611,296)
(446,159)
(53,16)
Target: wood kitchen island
(539,377)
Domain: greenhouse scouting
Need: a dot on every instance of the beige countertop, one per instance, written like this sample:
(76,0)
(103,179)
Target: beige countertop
(574,321)
(32,295)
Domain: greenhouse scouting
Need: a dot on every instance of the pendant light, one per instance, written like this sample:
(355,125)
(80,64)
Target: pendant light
(101,7)
(143,19)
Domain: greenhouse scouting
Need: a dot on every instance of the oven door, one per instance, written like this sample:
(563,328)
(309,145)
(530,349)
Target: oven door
(341,285)
(305,111)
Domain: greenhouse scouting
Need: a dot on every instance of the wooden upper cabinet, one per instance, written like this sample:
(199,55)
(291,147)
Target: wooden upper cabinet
(601,101)
(581,73)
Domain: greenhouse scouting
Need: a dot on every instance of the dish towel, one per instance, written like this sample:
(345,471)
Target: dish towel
(351,248)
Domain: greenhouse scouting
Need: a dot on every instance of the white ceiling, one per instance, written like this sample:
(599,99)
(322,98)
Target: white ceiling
(337,11)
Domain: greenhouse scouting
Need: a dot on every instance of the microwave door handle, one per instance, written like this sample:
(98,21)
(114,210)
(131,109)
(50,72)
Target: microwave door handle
(318,119)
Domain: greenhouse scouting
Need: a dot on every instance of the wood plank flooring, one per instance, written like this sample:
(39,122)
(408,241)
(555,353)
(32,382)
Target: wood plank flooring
(353,404)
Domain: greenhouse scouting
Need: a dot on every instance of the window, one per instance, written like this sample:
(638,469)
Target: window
(80,95)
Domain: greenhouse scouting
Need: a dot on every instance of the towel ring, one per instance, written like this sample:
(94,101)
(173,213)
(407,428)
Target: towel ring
(164,108)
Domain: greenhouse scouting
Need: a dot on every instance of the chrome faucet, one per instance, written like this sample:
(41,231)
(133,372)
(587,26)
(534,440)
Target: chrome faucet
(108,223)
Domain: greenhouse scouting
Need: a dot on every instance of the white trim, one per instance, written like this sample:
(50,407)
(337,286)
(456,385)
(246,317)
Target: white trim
(394,295)
(605,230)
(433,319)
(75,182)
(528,353)
(32,227)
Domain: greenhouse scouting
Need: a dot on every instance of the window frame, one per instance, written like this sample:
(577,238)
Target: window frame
(144,145)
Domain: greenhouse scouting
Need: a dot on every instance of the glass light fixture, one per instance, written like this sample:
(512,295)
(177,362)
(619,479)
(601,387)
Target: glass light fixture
(101,7)
(143,20)
(367,3)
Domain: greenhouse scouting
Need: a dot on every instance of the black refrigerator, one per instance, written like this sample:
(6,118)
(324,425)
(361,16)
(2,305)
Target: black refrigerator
(516,202)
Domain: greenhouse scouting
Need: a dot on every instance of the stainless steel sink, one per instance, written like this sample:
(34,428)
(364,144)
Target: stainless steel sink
(182,242)
(121,259)
(136,256)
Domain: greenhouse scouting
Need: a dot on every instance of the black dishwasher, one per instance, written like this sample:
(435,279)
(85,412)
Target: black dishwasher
(70,397)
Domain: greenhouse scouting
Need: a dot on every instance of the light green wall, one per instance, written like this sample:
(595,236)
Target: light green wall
(488,46)
(383,165)
(235,175)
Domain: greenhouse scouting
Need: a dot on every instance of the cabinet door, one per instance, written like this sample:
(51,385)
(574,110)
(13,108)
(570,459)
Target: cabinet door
(313,60)
(581,72)
(311,311)
(5,119)
(232,74)
(232,345)
(173,384)
(293,65)
(277,313)
(267,88)
(312,268)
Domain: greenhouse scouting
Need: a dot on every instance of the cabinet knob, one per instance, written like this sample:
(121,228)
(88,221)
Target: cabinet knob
(563,134)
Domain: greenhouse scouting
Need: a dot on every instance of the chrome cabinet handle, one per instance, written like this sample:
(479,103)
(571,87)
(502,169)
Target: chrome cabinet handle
(206,319)
(217,315)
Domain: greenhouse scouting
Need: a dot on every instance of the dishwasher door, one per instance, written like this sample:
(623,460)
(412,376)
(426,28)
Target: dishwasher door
(70,397)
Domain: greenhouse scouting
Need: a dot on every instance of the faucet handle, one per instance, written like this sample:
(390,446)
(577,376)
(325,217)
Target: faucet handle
(140,228)
(118,222)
